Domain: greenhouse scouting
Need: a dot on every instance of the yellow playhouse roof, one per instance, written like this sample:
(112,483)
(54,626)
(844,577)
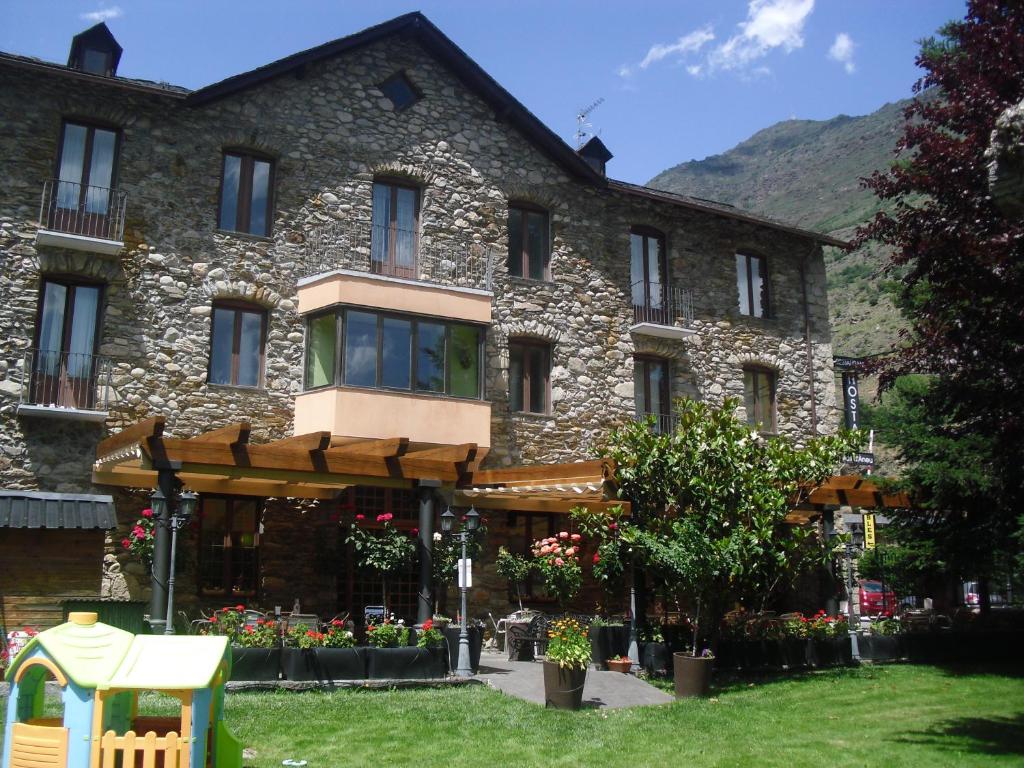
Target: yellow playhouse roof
(169,662)
(85,649)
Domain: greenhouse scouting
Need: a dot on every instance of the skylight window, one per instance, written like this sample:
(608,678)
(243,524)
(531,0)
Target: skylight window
(400,91)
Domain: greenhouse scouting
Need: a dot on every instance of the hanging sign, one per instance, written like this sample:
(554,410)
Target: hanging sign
(851,399)
(465,573)
(869,531)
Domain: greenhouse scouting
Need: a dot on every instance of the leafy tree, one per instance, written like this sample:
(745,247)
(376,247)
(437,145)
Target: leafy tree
(960,262)
(716,496)
(515,568)
(384,550)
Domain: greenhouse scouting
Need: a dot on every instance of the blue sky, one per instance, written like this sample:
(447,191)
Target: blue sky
(680,80)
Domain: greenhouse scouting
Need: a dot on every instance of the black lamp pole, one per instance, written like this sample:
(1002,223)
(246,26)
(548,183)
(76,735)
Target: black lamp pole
(464,667)
(180,516)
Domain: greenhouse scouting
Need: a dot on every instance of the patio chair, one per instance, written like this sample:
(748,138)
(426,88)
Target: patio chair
(311,620)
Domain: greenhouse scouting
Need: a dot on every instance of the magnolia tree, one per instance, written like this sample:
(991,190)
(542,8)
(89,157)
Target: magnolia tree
(710,502)
(384,550)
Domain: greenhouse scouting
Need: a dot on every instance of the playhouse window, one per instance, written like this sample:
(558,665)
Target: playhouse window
(229,545)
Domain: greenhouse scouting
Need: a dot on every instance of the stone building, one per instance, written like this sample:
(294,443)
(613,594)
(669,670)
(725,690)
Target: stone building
(371,238)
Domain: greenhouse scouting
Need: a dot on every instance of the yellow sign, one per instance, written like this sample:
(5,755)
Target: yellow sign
(869,531)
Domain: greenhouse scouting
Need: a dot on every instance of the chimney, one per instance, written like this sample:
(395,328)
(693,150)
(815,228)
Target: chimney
(596,154)
(95,51)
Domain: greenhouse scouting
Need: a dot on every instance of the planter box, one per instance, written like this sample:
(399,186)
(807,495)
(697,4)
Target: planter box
(563,687)
(324,664)
(880,647)
(729,654)
(253,664)
(607,643)
(655,658)
(692,675)
(794,652)
(476,642)
(406,663)
(829,652)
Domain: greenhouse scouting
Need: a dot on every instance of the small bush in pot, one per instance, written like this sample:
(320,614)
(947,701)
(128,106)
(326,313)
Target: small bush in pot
(565,669)
(387,634)
(429,636)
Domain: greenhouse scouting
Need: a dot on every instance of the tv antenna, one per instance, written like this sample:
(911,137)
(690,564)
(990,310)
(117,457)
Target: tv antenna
(581,122)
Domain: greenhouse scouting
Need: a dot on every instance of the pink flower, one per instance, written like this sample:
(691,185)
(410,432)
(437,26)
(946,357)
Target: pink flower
(545,549)
(571,551)
(139,532)
(559,561)
(147,512)
(126,543)
(563,534)
(360,517)
(613,526)
(575,537)
(556,549)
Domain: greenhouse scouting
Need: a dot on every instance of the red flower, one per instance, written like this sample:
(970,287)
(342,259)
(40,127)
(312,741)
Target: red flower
(126,543)
(139,532)
(597,558)
(415,531)
(239,608)
(360,517)
(613,526)
(385,517)
(428,625)
(147,512)
(213,619)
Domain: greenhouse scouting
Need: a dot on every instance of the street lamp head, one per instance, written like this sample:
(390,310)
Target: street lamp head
(447,520)
(472,520)
(158,503)
(186,505)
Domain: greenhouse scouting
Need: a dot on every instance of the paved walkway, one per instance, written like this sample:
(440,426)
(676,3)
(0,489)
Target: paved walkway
(525,680)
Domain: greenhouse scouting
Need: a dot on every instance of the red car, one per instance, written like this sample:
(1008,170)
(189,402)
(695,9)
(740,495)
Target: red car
(876,601)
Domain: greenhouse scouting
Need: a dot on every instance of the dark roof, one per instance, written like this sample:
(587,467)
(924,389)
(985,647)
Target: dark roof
(98,37)
(128,83)
(417,26)
(595,148)
(35,509)
(722,209)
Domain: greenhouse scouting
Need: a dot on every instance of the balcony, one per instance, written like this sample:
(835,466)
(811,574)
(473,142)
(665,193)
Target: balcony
(397,254)
(660,423)
(665,311)
(65,385)
(82,218)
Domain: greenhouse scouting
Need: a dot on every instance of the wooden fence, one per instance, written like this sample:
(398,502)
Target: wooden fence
(173,750)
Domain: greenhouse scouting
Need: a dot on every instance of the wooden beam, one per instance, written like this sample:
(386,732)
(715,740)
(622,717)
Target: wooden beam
(538,472)
(861,498)
(536,504)
(456,454)
(845,482)
(142,478)
(311,441)
(824,496)
(386,447)
(232,434)
(219,471)
(136,433)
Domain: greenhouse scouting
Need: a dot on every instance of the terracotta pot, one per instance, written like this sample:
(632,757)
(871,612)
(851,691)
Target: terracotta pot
(620,665)
(563,687)
(692,675)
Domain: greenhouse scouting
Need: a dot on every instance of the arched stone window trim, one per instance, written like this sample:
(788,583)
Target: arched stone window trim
(240,291)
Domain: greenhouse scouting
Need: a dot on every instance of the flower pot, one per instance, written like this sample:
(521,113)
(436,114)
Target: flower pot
(255,664)
(692,675)
(753,654)
(794,652)
(843,650)
(654,658)
(476,641)
(771,652)
(821,652)
(324,664)
(879,648)
(728,654)
(620,665)
(406,663)
(563,686)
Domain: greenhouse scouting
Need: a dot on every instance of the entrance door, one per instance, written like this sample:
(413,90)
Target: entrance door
(64,366)
(85,180)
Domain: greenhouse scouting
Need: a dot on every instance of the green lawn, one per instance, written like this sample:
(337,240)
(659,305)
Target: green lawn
(885,716)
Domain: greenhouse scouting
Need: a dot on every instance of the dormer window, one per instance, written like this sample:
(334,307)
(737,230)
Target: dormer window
(95,51)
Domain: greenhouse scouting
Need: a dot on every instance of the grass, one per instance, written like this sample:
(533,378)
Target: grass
(882,716)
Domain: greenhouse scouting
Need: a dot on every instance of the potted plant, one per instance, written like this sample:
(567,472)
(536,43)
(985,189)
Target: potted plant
(828,642)
(383,549)
(557,559)
(654,655)
(451,633)
(620,664)
(692,673)
(515,568)
(884,642)
(255,646)
(322,656)
(390,657)
(565,668)
(608,639)
(794,642)
(297,656)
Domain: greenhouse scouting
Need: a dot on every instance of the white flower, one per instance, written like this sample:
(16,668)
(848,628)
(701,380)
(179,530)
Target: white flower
(437,536)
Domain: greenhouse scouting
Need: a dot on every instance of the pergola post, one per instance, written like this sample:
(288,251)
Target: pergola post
(425,544)
(158,618)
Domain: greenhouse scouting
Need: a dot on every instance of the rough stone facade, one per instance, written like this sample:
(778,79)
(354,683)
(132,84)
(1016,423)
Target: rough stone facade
(331,132)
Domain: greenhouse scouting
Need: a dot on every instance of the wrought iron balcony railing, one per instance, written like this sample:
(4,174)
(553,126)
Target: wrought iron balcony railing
(661,304)
(396,252)
(65,380)
(84,211)
(661,423)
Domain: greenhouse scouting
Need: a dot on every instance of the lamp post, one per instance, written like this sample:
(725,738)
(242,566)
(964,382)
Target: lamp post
(471,521)
(181,513)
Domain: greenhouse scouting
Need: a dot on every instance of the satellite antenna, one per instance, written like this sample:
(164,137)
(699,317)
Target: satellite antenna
(581,122)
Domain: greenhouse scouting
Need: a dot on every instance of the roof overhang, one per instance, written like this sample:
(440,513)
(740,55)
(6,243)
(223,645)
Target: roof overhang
(36,509)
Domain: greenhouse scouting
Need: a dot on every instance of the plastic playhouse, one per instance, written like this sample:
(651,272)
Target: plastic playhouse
(100,670)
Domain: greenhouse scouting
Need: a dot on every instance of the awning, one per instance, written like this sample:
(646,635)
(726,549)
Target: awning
(36,509)
(553,488)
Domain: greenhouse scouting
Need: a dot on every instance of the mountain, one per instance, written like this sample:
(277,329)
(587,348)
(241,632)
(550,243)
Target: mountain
(807,172)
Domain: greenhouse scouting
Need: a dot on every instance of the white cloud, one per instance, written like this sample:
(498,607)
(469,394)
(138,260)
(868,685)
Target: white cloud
(842,51)
(103,14)
(695,69)
(690,43)
(770,24)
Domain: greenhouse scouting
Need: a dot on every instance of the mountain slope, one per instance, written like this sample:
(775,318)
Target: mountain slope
(807,172)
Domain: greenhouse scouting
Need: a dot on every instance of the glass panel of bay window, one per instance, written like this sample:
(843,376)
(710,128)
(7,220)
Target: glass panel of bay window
(51,327)
(250,343)
(405,228)
(221,345)
(229,192)
(323,345)
(260,197)
(380,238)
(83,330)
(515,377)
(465,361)
(742,284)
(515,241)
(430,357)
(396,353)
(360,349)
(72,165)
(536,243)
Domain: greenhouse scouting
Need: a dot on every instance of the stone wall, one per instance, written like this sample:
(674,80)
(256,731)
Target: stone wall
(331,133)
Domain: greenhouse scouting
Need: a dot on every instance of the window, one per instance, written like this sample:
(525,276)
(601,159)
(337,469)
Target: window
(648,269)
(759,398)
(651,387)
(236,351)
(245,194)
(528,247)
(229,545)
(752,284)
(393,242)
(85,172)
(64,363)
(392,351)
(400,91)
(529,371)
